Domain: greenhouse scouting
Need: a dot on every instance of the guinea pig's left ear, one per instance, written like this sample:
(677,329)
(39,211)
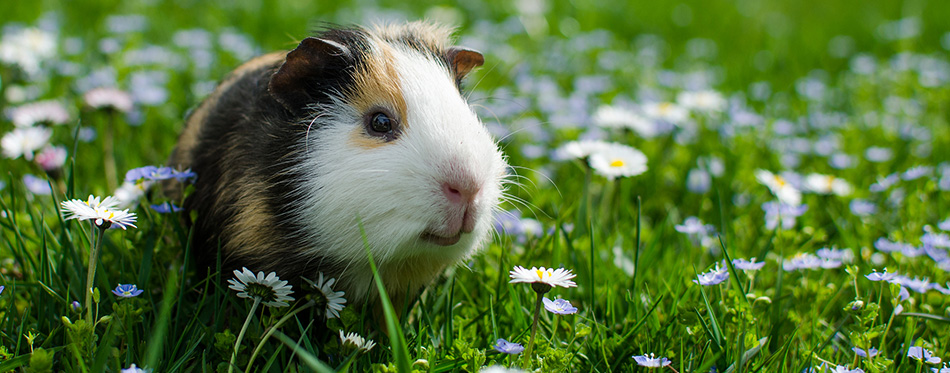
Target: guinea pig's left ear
(314,62)
(463,60)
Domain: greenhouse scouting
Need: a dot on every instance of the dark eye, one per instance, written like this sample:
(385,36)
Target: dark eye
(380,123)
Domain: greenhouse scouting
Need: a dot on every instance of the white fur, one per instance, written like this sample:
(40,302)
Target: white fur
(395,189)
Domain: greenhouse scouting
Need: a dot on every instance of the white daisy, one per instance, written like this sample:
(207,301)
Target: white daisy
(353,340)
(552,277)
(666,111)
(579,149)
(27,48)
(705,101)
(271,290)
(51,112)
(827,184)
(105,213)
(610,116)
(785,191)
(108,98)
(333,299)
(24,141)
(618,160)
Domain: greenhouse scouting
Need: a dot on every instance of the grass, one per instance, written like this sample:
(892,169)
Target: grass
(810,88)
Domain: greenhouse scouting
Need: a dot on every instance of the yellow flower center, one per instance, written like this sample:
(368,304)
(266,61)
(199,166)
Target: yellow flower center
(617,163)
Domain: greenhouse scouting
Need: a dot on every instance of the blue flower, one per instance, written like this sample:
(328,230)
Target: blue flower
(713,277)
(651,361)
(559,306)
(916,284)
(781,213)
(922,354)
(1,289)
(862,207)
(165,208)
(153,173)
(871,352)
(127,291)
(747,264)
(505,347)
(886,276)
(944,225)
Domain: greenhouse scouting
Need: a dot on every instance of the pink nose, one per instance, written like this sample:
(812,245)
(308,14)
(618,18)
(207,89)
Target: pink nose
(461,197)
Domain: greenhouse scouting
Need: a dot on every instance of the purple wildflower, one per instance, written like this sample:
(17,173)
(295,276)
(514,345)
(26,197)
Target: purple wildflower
(871,352)
(923,354)
(559,306)
(713,277)
(747,264)
(165,208)
(651,361)
(780,213)
(885,276)
(127,291)
(505,347)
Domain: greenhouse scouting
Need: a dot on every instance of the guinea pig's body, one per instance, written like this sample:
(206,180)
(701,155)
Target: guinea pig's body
(293,151)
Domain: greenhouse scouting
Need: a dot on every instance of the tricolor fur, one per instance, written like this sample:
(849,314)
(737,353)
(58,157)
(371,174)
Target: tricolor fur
(289,162)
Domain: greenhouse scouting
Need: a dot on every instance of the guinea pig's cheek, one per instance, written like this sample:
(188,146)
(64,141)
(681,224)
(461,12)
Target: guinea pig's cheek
(358,138)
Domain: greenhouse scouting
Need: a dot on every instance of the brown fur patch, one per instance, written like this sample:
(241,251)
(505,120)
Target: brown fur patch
(377,84)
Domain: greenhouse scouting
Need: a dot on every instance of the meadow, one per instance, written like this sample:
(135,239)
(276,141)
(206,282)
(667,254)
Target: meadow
(735,185)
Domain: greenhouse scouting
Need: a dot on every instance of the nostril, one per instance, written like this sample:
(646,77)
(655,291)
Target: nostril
(452,193)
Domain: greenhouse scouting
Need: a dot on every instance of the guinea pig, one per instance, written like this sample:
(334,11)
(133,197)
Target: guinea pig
(356,126)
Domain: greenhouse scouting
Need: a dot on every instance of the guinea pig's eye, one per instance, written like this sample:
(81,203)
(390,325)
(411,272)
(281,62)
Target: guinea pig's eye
(380,123)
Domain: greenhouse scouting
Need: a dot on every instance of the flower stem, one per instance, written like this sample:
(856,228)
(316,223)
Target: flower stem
(257,302)
(271,330)
(91,272)
(534,328)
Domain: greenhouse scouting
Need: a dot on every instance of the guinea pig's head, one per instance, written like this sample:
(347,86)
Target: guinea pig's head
(388,140)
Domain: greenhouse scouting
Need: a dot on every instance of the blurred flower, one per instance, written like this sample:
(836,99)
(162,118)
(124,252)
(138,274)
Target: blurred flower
(780,213)
(651,361)
(51,158)
(844,369)
(944,225)
(884,183)
(946,367)
(27,48)
(559,306)
(936,239)
(802,261)
(617,160)
(153,173)
(37,186)
(23,141)
(511,223)
(714,277)
(108,99)
(747,265)
(332,301)
(878,154)
(922,354)
(165,208)
(871,352)
(827,184)
(1,289)
(132,369)
(127,291)
(780,187)
(611,116)
(128,193)
(862,207)
(885,276)
(353,340)
(916,284)
(841,255)
(698,181)
(917,172)
(505,347)
(703,101)
(49,112)
(270,290)
(666,111)
(75,306)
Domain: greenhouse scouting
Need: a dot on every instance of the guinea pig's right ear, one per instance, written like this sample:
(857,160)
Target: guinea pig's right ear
(305,66)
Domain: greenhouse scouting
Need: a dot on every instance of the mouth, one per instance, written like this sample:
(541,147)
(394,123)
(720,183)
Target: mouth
(440,240)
